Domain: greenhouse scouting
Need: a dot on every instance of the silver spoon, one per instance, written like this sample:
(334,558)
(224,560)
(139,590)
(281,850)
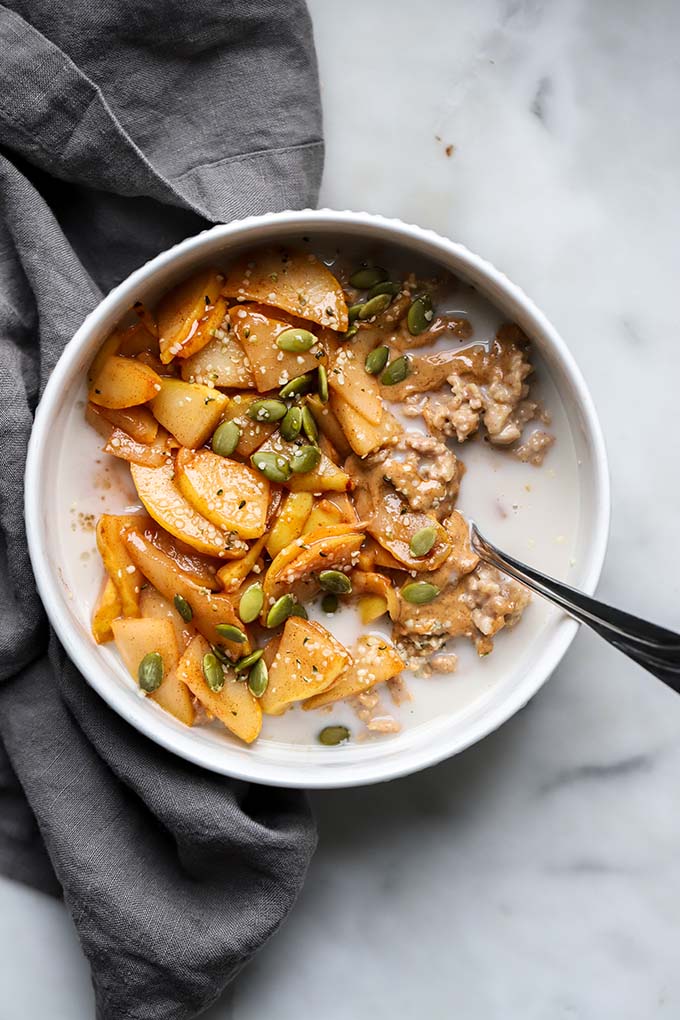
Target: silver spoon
(653,647)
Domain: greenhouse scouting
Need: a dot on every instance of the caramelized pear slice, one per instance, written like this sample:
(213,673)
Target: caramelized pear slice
(109,607)
(158,491)
(123,382)
(181,312)
(347,376)
(307,661)
(374,661)
(257,330)
(361,434)
(233,705)
(220,363)
(208,608)
(297,282)
(327,548)
(135,639)
(116,559)
(189,411)
(231,495)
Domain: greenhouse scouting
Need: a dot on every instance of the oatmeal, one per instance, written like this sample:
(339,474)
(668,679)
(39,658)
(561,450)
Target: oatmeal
(476,607)
(423,470)
(296,438)
(486,389)
(535,448)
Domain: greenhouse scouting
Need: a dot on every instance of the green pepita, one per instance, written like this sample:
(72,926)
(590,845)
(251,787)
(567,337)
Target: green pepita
(291,424)
(213,672)
(353,312)
(281,610)
(375,306)
(422,541)
(221,655)
(225,438)
(295,341)
(396,371)
(305,459)
(367,277)
(376,360)
(309,425)
(258,678)
(335,581)
(330,603)
(323,385)
(331,736)
(183,608)
(248,660)
(252,600)
(267,409)
(420,314)
(272,465)
(419,593)
(349,333)
(231,633)
(297,386)
(150,672)
(388,287)
(299,610)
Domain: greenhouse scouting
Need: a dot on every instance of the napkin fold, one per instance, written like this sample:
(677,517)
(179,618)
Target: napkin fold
(125,127)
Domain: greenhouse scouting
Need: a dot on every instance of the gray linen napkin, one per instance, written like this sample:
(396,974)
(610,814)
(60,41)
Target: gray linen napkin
(125,126)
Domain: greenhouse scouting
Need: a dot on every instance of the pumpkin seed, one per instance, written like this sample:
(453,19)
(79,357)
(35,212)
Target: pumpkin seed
(221,655)
(331,736)
(367,277)
(150,672)
(248,660)
(396,371)
(267,409)
(376,360)
(258,679)
(300,384)
(335,581)
(323,385)
(353,312)
(281,610)
(376,305)
(272,465)
(183,608)
(329,603)
(349,333)
(422,541)
(420,314)
(295,341)
(252,600)
(309,425)
(231,633)
(419,593)
(299,610)
(213,672)
(305,459)
(225,438)
(291,424)
(388,287)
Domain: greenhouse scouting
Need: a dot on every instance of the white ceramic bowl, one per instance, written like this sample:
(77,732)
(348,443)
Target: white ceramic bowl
(520,669)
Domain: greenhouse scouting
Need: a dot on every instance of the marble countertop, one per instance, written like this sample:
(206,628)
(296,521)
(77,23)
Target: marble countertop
(537,875)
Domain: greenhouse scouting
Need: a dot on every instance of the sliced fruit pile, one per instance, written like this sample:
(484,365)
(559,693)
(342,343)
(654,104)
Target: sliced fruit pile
(236,404)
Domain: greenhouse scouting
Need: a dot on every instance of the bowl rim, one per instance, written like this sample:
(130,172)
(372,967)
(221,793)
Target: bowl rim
(303,774)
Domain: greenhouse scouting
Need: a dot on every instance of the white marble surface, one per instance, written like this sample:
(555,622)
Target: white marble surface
(537,875)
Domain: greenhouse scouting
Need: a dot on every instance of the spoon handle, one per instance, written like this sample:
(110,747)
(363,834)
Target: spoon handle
(653,647)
